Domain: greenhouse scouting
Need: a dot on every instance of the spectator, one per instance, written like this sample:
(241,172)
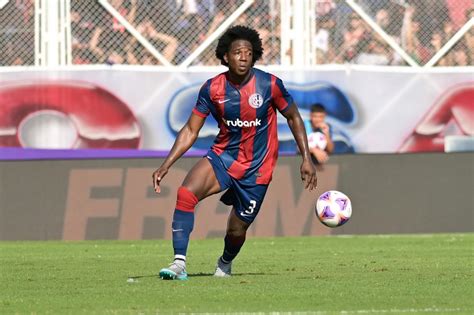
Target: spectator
(319,134)
(373,6)
(382,18)
(84,33)
(375,52)
(458,56)
(324,39)
(166,44)
(389,17)
(448,29)
(469,37)
(324,7)
(437,41)
(190,28)
(356,32)
(112,35)
(201,60)
(429,15)
(411,37)
(187,7)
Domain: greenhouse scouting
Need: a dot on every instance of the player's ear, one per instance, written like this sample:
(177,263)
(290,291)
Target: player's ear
(226,58)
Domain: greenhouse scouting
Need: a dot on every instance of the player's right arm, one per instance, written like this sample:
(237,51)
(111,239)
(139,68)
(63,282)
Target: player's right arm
(187,135)
(185,139)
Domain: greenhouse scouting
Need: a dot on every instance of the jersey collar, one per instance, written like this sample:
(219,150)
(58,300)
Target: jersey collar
(241,85)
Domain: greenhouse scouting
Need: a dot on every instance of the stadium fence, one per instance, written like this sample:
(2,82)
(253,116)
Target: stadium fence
(183,33)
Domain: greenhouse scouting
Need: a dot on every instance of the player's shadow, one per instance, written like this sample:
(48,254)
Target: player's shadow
(203,274)
(142,276)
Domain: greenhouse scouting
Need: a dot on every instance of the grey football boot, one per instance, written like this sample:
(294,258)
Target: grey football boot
(222,269)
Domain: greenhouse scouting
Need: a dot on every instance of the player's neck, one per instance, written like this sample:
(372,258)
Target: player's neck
(238,80)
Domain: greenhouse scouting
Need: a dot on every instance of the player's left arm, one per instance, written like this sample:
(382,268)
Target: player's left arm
(296,124)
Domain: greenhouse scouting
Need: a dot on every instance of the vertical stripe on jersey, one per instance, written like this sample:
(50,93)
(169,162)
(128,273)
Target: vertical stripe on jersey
(271,159)
(232,112)
(217,91)
(246,146)
(277,94)
(260,146)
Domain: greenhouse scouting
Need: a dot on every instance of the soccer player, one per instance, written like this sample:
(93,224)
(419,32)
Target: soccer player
(243,101)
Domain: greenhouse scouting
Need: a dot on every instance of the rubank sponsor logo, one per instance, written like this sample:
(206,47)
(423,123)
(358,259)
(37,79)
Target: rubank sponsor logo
(243,123)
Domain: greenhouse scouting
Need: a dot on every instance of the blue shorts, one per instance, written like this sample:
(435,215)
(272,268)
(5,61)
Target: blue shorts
(246,198)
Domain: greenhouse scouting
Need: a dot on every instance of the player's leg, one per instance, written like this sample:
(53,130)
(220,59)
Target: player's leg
(247,200)
(198,184)
(233,242)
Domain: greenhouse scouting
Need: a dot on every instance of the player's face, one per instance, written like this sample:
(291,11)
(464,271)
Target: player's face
(239,57)
(317,119)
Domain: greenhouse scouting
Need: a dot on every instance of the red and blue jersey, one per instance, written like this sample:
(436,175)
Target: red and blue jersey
(247,143)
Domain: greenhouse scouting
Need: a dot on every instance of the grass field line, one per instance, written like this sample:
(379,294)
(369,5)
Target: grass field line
(371,311)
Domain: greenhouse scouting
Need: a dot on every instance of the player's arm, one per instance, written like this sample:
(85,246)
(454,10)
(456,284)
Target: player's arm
(308,171)
(185,139)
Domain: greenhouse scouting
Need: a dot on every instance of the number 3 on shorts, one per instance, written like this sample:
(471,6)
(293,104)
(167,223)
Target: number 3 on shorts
(251,208)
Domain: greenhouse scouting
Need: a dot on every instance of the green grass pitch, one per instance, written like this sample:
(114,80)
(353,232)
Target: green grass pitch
(402,274)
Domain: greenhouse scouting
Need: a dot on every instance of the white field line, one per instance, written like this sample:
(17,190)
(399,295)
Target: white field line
(404,235)
(372,311)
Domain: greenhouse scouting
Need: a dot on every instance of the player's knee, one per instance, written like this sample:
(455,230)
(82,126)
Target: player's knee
(236,232)
(186,200)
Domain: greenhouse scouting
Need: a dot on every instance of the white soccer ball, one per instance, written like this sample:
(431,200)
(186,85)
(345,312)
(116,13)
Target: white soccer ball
(333,208)
(317,140)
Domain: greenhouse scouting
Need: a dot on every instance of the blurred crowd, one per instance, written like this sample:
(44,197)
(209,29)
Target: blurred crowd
(17,39)
(177,27)
(420,27)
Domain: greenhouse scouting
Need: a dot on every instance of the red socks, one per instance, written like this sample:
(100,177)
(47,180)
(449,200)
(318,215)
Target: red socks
(187,200)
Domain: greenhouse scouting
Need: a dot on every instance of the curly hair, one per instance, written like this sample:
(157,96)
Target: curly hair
(235,33)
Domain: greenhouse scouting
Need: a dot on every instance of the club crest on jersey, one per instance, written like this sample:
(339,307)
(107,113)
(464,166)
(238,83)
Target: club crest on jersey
(255,100)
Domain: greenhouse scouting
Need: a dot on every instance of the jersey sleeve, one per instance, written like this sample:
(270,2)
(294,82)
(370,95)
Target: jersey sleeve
(282,100)
(203,104)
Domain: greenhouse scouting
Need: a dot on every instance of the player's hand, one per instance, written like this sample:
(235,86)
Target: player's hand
(308,175)
(158,177)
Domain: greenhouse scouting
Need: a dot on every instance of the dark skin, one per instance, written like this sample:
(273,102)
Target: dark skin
(201,179)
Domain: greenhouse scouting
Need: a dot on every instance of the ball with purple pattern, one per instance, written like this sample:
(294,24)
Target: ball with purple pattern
(333,208)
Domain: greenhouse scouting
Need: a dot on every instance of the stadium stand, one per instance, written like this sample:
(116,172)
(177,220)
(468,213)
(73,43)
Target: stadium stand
(177,27)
